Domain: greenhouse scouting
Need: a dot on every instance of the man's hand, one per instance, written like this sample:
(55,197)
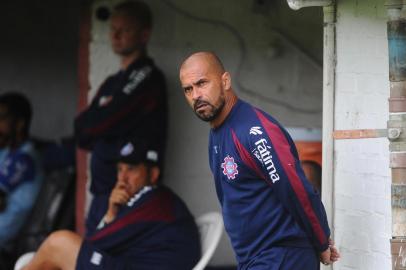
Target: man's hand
(325,257)
(335,255)
(119,196)
(330,255)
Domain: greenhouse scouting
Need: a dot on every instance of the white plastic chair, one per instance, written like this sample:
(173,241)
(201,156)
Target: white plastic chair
(211,227)
(23,260)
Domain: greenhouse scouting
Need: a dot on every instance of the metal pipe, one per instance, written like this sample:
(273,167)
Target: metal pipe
(297,4)
(329,65)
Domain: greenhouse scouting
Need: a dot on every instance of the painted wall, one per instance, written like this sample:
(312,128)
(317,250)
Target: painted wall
(280,72)
(38,52)
(362,175)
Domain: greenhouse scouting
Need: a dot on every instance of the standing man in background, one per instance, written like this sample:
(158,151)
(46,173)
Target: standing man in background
(129,104)
(21,173)
(272,214)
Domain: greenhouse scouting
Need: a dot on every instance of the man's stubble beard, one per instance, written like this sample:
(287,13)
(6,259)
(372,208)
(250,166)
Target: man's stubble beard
(125,52)
(4,141)
(214,111)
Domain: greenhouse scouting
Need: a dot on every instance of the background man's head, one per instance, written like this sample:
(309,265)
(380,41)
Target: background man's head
(15,119)
(137,166)
(130,27)
(204,82)
(312,171)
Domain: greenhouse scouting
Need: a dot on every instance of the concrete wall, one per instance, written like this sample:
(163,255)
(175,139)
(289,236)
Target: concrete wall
(362,175)
(281,68)
(38,52)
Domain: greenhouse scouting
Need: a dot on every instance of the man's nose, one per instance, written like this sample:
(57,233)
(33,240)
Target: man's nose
(196,93)
(115,34)
(123,177)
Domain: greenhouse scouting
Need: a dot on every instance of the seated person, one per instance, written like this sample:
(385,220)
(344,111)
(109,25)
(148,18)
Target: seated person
(146,226)
(312,171)
(20,171)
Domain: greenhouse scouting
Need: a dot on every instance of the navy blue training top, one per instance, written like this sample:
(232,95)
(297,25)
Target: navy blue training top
(129,104)
(266,199)
(154,231)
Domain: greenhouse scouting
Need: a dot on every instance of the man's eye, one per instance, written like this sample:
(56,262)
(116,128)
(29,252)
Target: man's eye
(201,83)
(187,89)
(132,167)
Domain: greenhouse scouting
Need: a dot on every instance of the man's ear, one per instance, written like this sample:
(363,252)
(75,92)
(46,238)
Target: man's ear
(145,35)
(20,126)
(155,172)
(226,80)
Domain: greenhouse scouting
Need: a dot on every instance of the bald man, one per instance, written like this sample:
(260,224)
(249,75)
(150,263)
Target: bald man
(272,214)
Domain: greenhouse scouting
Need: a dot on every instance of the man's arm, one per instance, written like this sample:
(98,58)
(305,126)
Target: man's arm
(119,196)
(330,255)
(20,188)
(294,190)
(155,210)
(279,166)
(20,202)
(16,170)
(121,112)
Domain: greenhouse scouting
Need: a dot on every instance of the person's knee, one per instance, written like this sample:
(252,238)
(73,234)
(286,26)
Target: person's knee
(60,239)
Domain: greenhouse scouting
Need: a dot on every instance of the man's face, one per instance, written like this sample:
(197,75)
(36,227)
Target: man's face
(133,177)
(203,89)
(5,127)
(126,36)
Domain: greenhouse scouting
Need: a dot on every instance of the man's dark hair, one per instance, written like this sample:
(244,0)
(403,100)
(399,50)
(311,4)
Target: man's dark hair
(18,107)
(137,10)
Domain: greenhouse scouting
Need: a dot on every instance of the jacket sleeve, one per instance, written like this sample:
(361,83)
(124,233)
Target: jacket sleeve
(139,222)
(16,170)
(274,158)
(121,112)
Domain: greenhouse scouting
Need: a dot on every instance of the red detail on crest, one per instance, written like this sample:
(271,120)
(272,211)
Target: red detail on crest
(229,167)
